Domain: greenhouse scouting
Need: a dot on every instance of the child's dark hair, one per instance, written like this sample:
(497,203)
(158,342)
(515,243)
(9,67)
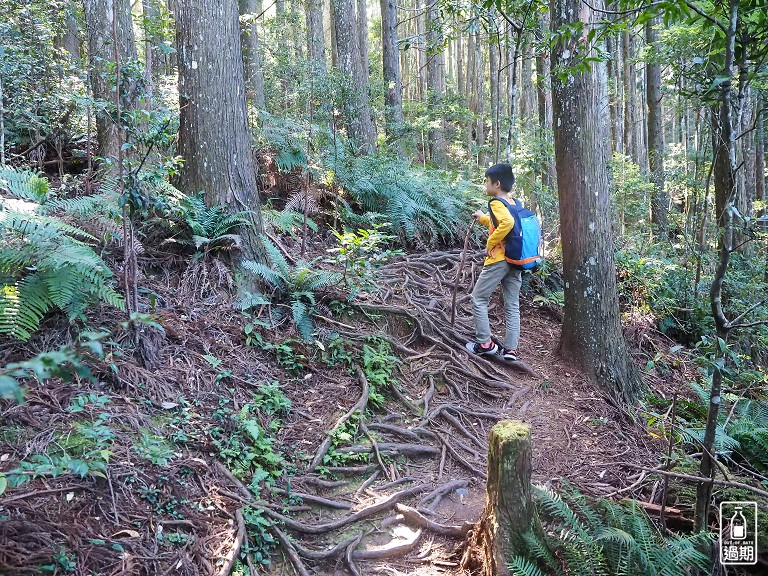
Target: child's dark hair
(501,173)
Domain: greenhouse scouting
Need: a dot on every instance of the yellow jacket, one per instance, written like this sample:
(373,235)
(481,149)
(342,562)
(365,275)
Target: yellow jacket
(497,234)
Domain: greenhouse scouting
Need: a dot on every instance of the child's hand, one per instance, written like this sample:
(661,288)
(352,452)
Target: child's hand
(487,252)
(477,214)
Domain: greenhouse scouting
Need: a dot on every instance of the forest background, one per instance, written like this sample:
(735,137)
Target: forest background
(285,167)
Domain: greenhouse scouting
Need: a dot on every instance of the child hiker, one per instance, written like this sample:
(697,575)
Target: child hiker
(496,270)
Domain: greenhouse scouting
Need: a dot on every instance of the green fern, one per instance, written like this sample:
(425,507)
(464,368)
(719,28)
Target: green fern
(285,139)
(750,429)
(211,228)
(294,285)
(23,184)
(45,265)
(604,538)
(421,205)
(286,221)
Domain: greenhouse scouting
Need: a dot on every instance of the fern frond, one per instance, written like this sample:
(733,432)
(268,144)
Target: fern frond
(23,184)
(276,258)
(38,225)
(523,567)
(302,319)
(264,272)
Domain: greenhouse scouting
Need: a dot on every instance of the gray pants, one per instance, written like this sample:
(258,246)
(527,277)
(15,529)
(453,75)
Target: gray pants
(510,280)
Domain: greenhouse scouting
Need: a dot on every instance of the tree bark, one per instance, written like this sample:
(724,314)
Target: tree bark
(434,85)
(393,100)
(480,87)
(70,41)
(460,68)
(513,50)
(362,35)
(630,98)
(315,35)
(527,89)
(421,62)
(544,106)
(659,198)
(509,508)
(493,60)
(101,52)
(358,110)
(592,334)
(254,78)
(213,127)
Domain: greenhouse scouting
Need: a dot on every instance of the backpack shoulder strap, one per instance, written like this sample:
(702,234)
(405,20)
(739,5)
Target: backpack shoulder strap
(512,209)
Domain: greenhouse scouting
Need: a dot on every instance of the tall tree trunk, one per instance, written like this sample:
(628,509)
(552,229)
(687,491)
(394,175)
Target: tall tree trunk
(213,126)
(421,7)
(592,334)
(659,198)
(362,33)
(613,89)
(460,68)
(544,106)
(470,91)
(760,155)
(493,59)
(630,97)
(254,78)
(480,87)
(393,100)
(99,15)
(70,41)
(513,50)
(358,110)
(332,28)
(724,169)
(434,84)
(642,124)
(619,81)
(527,90)
(315,35)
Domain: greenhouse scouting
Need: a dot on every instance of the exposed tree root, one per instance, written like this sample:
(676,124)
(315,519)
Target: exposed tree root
(417,518)
(231,557)
(359,406)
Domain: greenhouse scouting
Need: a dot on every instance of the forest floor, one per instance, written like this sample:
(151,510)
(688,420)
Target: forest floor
(171,502)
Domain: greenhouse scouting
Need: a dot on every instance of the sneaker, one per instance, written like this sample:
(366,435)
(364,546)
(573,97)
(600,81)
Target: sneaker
(509,354)
(482,349)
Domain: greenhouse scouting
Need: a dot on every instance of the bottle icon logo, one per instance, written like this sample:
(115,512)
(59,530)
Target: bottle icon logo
(738,525)
(738,533)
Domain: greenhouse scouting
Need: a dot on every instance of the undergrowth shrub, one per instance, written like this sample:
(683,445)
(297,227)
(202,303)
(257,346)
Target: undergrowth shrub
(45,264)
(588,538)
(423,206)
(294,285)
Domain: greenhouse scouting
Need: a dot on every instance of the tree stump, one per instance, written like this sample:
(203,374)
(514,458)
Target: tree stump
(509,508)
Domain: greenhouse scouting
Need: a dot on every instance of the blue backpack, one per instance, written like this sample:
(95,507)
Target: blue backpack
(524,247)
